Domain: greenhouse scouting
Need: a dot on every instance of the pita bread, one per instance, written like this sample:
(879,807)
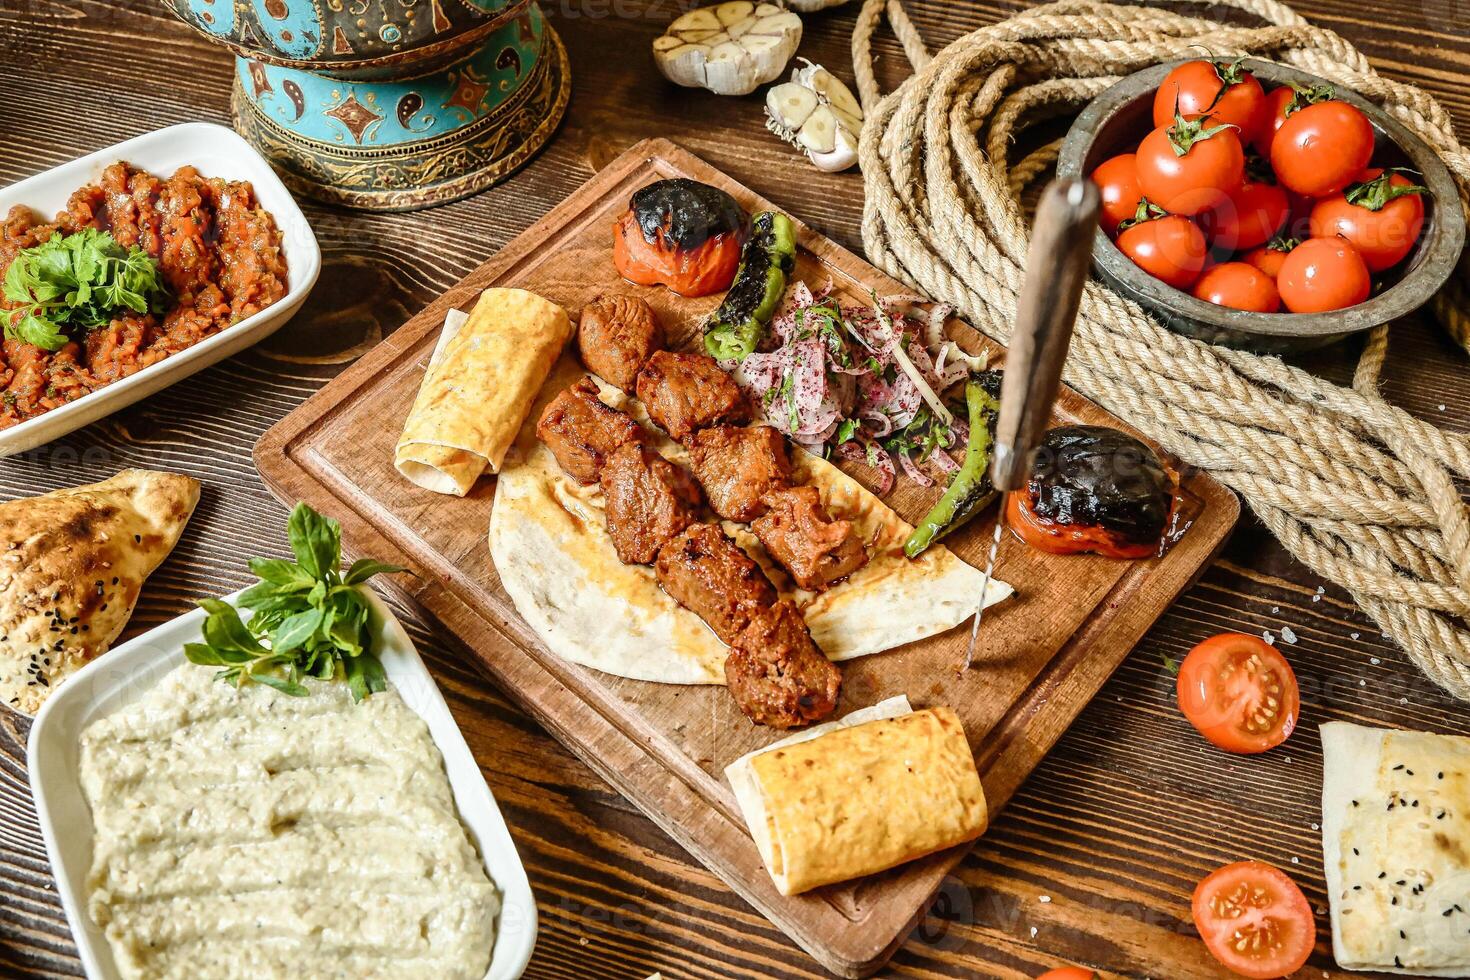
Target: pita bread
(480,383)
(921,794)
(549,541)
(72,563)
(1396,848)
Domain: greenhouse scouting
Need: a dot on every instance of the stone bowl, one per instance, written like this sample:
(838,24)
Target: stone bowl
(1116,120)
(347,38)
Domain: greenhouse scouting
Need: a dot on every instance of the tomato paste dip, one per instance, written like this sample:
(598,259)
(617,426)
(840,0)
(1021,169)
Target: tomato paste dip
(220,254)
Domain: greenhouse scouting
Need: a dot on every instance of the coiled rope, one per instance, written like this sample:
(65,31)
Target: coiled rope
(1361,492)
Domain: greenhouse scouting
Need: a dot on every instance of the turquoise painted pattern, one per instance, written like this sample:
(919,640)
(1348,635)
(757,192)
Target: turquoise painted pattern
(293,26)
(382,113)
(215,16)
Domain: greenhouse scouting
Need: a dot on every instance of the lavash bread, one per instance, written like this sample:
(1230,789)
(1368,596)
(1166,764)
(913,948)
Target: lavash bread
(480,384)
(72,563)
(920,794)
(1396,849)
(549,541)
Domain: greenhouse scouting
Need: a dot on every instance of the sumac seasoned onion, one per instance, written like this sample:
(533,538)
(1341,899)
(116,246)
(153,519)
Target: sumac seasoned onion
(681,234)
(1094,489)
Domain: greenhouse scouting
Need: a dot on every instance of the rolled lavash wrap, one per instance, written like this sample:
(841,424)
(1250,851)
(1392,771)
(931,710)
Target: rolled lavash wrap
(877,788)
(480,385)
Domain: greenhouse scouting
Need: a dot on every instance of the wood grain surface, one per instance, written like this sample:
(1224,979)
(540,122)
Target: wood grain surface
(1093,860)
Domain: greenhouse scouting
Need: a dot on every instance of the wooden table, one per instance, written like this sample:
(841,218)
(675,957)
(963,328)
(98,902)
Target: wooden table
(1093,862)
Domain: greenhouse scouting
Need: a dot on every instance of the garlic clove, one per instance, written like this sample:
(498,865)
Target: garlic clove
(819,133)
(790,105)
(729,48)
(843,155)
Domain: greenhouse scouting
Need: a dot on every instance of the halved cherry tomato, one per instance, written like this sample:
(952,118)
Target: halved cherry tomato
(1222,89)
(1190,167)
(1248,217)
(1381,215)
(1268,257)
(1117,181)
(1170,248)
(1321,149)
(1239,286)
(1070,973)
(1323,274)
(1240,693)
(1254,920)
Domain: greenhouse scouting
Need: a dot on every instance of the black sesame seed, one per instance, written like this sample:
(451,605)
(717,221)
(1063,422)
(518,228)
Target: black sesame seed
(1394,901)
(1398,767)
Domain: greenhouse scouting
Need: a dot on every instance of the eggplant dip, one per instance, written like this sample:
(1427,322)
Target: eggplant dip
(245,832)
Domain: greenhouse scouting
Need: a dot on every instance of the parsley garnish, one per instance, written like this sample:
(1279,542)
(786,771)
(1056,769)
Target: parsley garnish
(77,281)
(309,620)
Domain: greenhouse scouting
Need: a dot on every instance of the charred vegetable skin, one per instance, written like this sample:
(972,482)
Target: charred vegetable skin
(970,490)
(769,257)
(681,234)
(1094,489)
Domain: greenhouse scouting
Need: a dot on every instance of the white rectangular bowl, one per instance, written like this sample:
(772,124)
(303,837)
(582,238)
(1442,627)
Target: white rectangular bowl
(127,672)
(216,152)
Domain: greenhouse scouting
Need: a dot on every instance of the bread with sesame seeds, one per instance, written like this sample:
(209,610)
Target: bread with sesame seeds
(72,563)
(1396,849)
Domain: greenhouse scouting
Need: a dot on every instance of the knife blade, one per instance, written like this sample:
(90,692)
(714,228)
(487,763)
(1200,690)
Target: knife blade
(1046,313)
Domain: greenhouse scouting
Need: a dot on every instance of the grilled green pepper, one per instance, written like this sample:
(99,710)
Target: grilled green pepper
(768,257)
(970,490)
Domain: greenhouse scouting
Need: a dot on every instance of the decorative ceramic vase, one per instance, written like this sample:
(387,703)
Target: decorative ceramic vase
(390,105)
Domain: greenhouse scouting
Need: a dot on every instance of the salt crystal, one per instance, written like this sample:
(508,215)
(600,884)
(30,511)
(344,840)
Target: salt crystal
(1275,609)
(1033,932)
(1374,661)
(1288,634)
(1362,683)
(1044,899)
(1266,635)
(1441,408)
(1317,597)
(1316,827)
(1296,861)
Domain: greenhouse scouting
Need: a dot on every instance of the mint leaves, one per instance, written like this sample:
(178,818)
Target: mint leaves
(78,281)
(308,619)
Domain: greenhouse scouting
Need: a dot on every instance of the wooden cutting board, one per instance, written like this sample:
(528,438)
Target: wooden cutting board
(1042,655)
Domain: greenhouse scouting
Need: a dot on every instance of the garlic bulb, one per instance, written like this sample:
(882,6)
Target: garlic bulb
(818,115)
(730,48)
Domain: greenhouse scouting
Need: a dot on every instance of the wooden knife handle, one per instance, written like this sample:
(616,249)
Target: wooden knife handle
(1056,270)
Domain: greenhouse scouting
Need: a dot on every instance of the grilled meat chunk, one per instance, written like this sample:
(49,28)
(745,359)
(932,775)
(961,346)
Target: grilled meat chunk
(738,466)
(777,675)
(687,392)
(649,500)
(799,534)
(616,334)
(582,432)
(709,575)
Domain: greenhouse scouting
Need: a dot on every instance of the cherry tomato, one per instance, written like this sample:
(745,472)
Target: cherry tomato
(1323,274)
(1248,217)
(1381,215)
(1254,920)
(1321,149)
(1069,973)
(1190,167)
(1222,89)
(1240,287)
(1268,257)
(1170,248)
(1274,114)
(1117,180)
(1239,692)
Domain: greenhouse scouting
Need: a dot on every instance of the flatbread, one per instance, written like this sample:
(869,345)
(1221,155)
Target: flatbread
(1396,847)
(480,383)
(72,563)
(549,541)
(920,794)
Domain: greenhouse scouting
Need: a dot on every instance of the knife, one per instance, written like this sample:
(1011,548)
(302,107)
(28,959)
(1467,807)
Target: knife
(1056,270)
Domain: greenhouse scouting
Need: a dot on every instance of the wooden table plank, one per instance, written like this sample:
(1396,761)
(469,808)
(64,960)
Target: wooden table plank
(1117,824)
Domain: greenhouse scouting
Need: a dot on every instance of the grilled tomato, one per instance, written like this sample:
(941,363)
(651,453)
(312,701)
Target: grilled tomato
(1094,489)
(681,234)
